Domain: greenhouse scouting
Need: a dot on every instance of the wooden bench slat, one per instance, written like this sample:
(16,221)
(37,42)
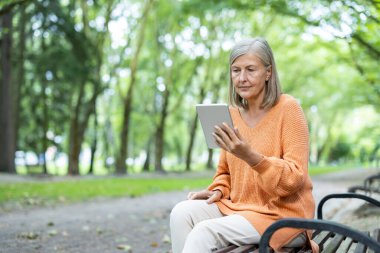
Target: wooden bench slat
(321,238)
(334,244)
(327,241)
(361,248)
(346,245)
(315,233)
(376,234)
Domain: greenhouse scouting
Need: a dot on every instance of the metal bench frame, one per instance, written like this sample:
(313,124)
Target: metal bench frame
(367,186)
(363,239)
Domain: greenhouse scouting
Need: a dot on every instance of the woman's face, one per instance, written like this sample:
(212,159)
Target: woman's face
(249,75)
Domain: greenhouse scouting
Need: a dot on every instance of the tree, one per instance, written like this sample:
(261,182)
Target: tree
(87,48)
(7,127)
(127,101)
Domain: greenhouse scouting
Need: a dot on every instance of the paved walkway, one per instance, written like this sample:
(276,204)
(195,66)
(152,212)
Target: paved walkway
(114,225)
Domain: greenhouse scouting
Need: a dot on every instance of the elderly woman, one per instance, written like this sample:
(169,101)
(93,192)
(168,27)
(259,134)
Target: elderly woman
(262,175)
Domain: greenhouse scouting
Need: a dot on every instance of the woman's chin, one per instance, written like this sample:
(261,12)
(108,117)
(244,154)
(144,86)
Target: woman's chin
(245,95)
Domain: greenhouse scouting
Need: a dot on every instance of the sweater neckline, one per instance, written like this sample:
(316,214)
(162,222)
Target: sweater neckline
(261,121)
(258,123)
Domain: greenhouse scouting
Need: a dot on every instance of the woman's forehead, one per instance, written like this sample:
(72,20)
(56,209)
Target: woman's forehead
(247,59)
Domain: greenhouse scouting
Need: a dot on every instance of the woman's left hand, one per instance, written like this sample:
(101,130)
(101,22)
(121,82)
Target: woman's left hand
(232,141)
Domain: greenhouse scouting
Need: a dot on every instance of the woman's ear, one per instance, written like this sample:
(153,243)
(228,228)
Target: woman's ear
(269,72)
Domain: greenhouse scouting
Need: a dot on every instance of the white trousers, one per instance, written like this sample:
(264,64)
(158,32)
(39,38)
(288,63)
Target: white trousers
(199,227)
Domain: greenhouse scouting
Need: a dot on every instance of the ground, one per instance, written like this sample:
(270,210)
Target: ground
(135,225)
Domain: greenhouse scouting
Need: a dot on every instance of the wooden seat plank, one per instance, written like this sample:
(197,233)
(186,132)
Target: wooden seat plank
(345,246)
(321,238)
(334,244)
(376,234)
(361,248)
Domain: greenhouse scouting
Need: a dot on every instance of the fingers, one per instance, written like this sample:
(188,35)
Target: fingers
(210,196)
(223,133)
(220,142)
(230,132)
(199,195)
(190,195)
(222,137)
(214,197)
(227,138)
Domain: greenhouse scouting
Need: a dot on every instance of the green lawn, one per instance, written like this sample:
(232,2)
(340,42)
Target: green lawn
(78,189)
(313,171)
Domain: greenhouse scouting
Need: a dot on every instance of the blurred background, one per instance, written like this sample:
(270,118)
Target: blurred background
(110,86)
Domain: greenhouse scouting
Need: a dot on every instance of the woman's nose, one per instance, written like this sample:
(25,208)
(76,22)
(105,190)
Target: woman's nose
(243,75)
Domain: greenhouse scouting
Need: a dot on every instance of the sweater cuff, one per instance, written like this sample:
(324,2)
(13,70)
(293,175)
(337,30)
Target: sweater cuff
(262,166)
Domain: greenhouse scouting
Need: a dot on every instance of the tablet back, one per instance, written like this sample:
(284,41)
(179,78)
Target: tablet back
(211,115)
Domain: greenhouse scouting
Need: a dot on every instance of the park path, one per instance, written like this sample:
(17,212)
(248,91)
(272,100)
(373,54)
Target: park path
(114,225)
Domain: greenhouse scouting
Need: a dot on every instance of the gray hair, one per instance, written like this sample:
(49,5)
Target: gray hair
(260,48)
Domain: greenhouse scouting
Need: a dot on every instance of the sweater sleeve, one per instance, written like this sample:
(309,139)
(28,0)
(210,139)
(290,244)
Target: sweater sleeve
(285,175)
(221,180)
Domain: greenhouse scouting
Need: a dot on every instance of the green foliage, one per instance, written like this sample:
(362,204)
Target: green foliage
(327,55)
(339,151)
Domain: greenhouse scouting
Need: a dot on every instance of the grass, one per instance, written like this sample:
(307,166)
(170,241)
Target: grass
(314,171)
(78,190)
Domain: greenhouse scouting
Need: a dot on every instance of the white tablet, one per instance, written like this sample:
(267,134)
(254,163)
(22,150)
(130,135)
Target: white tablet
(211,115)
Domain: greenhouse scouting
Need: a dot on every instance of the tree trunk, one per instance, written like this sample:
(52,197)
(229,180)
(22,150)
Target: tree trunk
(20,72)
(84,109)
(94,143)
(146,166)
(75,139)
(75,146)
(45,117)
(193,130)
(121,167)
(329,141)
(7,132)
(77,129)
(160,133)
(45,128)
(108,141)
(210,162)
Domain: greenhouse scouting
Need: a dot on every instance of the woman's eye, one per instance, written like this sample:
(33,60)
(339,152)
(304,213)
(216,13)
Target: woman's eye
(235,70)
(251,70)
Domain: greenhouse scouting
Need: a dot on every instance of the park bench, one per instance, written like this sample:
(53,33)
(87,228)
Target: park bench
(330,236)
(370,185)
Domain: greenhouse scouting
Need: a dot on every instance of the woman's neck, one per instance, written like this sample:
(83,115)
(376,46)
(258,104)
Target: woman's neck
(254,107)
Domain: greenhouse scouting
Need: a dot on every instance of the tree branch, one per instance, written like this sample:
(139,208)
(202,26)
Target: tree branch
(372,50)
(8,7)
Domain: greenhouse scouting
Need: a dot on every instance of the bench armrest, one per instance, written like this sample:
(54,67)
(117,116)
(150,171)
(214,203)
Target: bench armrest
(320,225)
(367,185)
(344,196)
(369,180)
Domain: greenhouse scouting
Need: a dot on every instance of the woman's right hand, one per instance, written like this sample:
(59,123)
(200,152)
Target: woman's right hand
(210,196)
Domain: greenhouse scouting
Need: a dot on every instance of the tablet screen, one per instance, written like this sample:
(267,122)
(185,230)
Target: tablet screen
(211,115)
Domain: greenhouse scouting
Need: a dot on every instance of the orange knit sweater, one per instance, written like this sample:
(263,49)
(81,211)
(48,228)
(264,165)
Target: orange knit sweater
(279,186)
